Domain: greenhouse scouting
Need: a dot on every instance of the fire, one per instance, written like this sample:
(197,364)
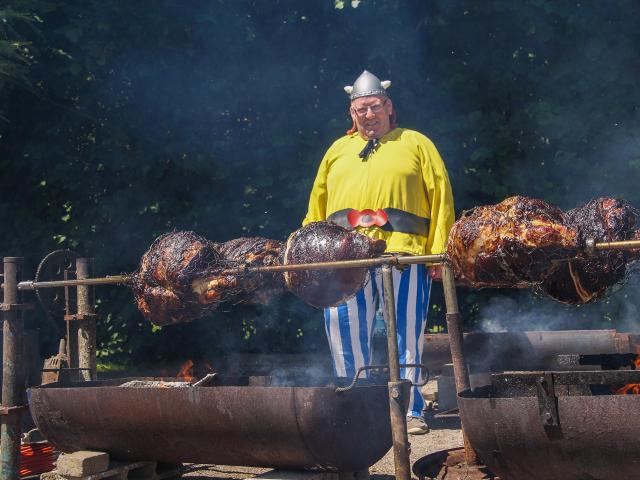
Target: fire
(631,388)
(186,371)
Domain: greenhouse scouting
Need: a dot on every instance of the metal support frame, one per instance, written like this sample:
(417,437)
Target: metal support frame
(71,325)
(397,401)
(12,371)
(460,371)
(547,400)
(86,322)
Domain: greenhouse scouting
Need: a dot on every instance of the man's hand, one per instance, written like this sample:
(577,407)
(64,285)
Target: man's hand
(436,273)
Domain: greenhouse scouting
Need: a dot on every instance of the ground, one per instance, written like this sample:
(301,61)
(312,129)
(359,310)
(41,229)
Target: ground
(445,433)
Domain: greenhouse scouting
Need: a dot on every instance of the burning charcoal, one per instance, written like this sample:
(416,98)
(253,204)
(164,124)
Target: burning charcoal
(154,384)
(326,242)
(515,243)
(588,278)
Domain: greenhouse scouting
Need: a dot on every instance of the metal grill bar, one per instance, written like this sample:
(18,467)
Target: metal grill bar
(621,245)
(368,262)
(395,260)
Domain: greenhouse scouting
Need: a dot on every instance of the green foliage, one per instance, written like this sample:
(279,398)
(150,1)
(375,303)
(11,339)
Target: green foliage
(121,121)
(15,52)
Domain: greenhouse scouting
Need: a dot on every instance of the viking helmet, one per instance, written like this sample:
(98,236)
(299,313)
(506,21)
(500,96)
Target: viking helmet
(367,84)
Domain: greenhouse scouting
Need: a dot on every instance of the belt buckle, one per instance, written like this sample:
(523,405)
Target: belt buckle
(367,218)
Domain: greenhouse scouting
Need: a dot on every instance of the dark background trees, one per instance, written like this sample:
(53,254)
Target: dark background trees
(122,120)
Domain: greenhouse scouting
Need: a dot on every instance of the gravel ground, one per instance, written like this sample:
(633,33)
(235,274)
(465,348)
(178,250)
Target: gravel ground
(445,433)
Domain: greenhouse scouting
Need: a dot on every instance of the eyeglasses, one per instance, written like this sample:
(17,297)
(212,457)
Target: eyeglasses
(375,109)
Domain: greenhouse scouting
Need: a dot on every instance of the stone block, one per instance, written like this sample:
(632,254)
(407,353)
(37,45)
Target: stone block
(82,464)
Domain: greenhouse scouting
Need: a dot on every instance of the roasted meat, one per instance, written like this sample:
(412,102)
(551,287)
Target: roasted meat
(163,283)
(251,287)
(183,275)
(327,242)
(515,243)
(525,242)
(587,278)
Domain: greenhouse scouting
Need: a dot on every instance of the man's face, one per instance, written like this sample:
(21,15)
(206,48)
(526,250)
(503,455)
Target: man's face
(372,116)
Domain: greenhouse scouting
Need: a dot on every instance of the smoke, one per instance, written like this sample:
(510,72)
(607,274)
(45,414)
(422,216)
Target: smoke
(525,311)
(301,374)
(503,314)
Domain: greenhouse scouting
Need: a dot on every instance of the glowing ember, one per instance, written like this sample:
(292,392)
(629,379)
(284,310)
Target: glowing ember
(630,388)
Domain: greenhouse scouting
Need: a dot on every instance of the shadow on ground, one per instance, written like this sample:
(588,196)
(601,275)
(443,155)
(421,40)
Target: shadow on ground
(448,422)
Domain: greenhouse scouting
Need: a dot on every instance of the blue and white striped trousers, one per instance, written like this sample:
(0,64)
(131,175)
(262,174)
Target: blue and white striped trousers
(349,326)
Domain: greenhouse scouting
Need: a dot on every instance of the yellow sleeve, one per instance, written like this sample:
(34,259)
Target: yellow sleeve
(440,198)
(317,210)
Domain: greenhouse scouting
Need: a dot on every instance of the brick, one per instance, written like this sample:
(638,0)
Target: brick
(49,476)
(82,464)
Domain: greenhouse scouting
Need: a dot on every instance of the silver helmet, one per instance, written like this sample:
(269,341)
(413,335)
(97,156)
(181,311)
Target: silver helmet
(367,84)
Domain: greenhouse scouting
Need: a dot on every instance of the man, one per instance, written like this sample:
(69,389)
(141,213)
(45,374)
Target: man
(379,166)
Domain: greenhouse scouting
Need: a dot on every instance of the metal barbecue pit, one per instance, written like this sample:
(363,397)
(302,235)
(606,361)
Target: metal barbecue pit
(550,425)
(395,386)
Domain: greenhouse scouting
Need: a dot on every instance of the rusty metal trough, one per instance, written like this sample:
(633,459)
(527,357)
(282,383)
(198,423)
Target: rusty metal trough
(250,421)
(555,425)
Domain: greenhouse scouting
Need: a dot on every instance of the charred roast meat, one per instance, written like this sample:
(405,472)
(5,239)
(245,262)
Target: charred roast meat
(525,242)
(183,275)
(511,244)
(587,278)
(163,283)
(327,242)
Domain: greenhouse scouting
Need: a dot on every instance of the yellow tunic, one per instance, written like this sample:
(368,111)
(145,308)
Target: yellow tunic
(405,172)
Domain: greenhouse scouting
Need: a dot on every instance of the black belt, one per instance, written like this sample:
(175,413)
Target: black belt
(389,219)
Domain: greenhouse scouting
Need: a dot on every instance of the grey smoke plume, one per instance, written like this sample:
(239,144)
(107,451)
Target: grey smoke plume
(527,312)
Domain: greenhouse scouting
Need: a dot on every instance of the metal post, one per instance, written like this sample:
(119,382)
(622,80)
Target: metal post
(12,371)
(71,324)
(460,371)
(397,403)
(86,322)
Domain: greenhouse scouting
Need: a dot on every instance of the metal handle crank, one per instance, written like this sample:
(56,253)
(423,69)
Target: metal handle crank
(421,366)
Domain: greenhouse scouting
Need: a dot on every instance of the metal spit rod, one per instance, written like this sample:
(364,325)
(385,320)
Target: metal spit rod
(108,280)
(620,245)
(395,260)
(368,262)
